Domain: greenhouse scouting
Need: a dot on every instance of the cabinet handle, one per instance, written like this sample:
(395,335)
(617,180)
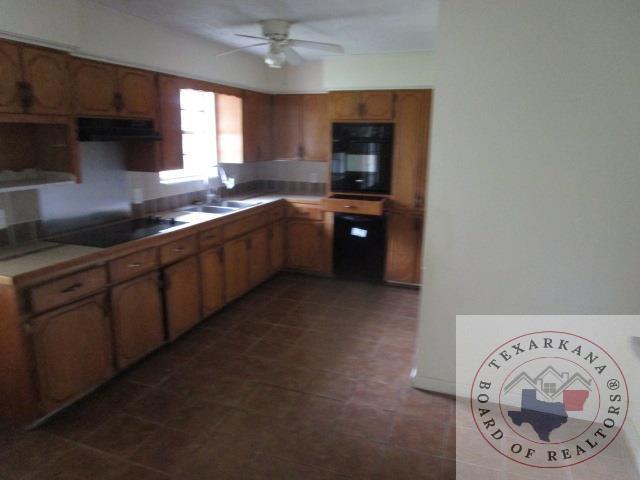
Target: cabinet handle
(178,249)
(71,288)
(134,265)
(118,102)
(350,206)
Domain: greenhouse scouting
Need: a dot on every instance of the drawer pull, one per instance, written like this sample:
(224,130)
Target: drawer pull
(134,265)
(71,288)
(178,249)
(350,206)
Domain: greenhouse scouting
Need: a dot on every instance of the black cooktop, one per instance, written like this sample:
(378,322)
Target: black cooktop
(114,234)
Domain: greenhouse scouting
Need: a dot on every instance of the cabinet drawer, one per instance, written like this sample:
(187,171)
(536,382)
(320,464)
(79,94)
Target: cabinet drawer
(67,289)
(132,265)
(310,212)
(245,225)
(179,249)
(210,238)
(351,205)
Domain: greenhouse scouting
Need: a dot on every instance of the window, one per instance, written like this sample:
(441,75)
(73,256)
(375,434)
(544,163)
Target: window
(199,139)
(549,388)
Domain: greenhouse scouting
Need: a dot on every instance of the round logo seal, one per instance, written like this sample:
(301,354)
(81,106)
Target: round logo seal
(549,399)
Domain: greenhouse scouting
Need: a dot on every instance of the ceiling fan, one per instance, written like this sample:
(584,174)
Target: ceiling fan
(275,34)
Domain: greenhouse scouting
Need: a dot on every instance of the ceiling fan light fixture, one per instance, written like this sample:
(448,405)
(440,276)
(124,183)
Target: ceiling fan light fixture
(275,58)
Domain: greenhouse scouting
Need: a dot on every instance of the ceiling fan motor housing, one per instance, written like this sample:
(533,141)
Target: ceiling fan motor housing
(277,30)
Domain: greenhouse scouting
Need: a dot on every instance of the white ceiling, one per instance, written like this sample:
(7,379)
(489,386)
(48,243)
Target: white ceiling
(361,26)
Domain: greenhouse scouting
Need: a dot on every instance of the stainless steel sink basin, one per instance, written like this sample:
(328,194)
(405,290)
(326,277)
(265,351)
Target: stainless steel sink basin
(236,204)
(211,209)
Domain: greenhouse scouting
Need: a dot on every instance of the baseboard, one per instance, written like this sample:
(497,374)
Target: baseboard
(434,385)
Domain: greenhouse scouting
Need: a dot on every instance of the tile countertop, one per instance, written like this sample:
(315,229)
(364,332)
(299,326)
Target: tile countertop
(31,257)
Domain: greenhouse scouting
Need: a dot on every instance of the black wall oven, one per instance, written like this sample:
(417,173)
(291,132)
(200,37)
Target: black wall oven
(361,157)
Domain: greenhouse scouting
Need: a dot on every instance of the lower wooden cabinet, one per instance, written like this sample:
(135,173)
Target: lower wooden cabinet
(404,248)
(236,268)
(182,296)
(276,247)
(73,351)
(259,268)
(138,321)
(212,278)
(305,245)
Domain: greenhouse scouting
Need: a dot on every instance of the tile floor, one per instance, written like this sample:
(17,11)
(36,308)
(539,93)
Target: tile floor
(304,378)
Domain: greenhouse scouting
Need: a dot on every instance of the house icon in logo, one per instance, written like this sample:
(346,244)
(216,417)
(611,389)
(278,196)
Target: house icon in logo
(550,384)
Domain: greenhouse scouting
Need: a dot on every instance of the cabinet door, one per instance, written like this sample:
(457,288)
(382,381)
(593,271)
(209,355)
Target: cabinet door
(138,91)
(305,245)
(287,138)
(256,129)
(94,86)
(170,122)
(137,318)
(73,351)
(410,149)
(10,76)
(182,296)
(377,105)
(236,268)
(276,247)
(404,239)
(47,74)
(212,272)
(316,137)
(345,105)
(259,268)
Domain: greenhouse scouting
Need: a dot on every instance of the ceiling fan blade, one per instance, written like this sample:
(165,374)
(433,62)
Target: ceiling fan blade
(293,57)
(251,36)
(329,47)
(241,48)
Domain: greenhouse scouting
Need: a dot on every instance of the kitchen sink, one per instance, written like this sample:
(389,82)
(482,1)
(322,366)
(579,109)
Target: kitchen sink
(236,204)
(211,209)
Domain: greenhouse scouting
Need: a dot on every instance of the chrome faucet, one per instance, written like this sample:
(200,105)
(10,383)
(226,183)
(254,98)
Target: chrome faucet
(212,195)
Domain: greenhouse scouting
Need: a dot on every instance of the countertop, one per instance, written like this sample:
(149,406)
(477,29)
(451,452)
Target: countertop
(32,257)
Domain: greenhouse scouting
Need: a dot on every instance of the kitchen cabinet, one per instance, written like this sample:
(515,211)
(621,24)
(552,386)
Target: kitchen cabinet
(256,126)
(410,148)
(404,248)
(316,129)
(182,296)
(305,245)
(236,268)
(138,91)
(33,80)
(287,130)
(362,105)
(138,321)
(229,128)
(259,268)
(103,89)
(73,348)
(212,278)
(276,247)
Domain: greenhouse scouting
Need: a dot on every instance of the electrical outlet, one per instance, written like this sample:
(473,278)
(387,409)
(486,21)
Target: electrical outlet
(138,196)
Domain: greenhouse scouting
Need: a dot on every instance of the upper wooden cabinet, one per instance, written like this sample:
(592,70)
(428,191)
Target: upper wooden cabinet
(287,127)
(33,80)
(256,126)
(301,128)
(362,105)
(410,148)
(102,89)
(316,131)
(170,121)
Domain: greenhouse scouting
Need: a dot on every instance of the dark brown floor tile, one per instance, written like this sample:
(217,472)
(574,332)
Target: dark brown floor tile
(428,405)
(270,350)
(190,413)
(284,334)
(29,453)
(121,434)
(332,385)
(79,463)
(350,455)
(271,401)
(269,468)
(404,465)
(311,410)
(418,434)
(236,421)
(285,376)
(378,394)
(366,421)
(129,471)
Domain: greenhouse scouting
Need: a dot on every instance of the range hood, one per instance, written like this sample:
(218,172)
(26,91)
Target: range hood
(114,129)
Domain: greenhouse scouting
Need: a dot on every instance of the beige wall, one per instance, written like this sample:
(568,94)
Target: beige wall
(534,177)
